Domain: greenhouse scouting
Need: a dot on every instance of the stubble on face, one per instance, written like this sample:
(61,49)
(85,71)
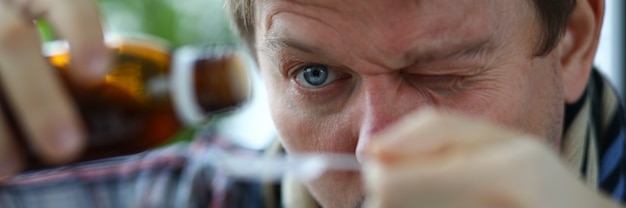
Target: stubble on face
(375,44)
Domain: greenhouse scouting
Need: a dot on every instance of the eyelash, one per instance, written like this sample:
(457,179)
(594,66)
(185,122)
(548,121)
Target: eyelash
(296,68)
(315,93)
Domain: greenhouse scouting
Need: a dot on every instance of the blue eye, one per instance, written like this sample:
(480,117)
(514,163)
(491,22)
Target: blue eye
(314,76)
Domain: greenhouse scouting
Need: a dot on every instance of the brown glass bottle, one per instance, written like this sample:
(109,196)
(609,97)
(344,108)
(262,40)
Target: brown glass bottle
(134,108)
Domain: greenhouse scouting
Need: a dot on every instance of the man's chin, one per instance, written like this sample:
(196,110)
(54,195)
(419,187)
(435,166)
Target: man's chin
(359,202)
(338,189)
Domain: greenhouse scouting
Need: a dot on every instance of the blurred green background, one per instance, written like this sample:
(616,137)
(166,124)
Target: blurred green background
(180,22)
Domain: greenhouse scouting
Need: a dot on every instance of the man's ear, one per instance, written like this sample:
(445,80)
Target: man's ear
(578,47)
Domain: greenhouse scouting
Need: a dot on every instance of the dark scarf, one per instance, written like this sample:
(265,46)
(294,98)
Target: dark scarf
(593,138)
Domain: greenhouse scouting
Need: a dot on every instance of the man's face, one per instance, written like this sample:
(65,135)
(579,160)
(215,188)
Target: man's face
(338,72)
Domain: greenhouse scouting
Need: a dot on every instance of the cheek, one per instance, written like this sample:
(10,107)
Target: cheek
(525,97)
(502,96)
(547,102)
(301,131)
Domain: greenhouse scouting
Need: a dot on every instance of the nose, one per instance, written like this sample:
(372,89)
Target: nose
(383,101)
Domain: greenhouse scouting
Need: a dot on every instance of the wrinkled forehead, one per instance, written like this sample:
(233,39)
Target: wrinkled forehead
(394,23)
(367,8)
(377,11)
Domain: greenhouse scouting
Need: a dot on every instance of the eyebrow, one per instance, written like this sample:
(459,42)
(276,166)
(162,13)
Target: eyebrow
(465,48)
(275,43)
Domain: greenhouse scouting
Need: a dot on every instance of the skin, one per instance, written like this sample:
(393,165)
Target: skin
(474,58)
(442,101)
(475,165)
(32,87)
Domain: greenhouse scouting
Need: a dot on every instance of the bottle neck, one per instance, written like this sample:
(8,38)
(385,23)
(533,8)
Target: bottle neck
(206,80)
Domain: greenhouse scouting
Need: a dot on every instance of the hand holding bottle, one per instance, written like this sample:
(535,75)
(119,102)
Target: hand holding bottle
(33,90)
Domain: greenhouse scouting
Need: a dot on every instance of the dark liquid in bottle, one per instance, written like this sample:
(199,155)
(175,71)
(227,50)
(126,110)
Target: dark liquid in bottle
(124,113)
(131,109)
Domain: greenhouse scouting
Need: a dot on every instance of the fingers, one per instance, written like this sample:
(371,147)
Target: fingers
(35,93)
(78,22)
(33,89)
(10,159)
(438,159)
(505,174)
(432,134)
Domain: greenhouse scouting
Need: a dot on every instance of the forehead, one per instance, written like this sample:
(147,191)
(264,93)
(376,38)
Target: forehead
(389,26)
(375,11)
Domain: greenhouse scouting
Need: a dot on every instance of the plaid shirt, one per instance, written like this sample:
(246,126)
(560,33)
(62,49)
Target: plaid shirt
(167,177)
(593,145)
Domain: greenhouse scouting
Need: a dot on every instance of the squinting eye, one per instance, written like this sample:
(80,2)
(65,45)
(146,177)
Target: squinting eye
(315,76)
